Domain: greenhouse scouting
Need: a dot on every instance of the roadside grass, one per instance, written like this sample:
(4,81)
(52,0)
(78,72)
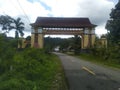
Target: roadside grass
(59,82)
(32,69)
(98,60)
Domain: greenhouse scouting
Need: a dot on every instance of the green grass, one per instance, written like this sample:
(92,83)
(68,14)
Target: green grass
(59,82)
(99,60)
(32,69)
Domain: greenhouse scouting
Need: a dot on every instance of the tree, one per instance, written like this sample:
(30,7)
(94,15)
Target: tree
(8,23)
(5,22)
(77,44)
(18,26)
(113,25)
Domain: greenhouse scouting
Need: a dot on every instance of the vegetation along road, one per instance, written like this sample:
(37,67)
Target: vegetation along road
(84,75)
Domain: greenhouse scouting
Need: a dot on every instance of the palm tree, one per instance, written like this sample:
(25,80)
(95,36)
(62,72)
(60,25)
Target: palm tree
(19,27)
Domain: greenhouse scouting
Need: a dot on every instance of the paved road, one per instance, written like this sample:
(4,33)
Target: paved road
(83,75)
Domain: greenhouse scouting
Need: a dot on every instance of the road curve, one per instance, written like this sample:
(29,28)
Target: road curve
(84,75)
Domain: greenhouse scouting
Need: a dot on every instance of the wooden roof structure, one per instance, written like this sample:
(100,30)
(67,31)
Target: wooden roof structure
(62,22)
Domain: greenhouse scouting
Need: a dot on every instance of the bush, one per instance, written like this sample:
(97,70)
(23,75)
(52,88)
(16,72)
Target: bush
(110,54)
(32,69)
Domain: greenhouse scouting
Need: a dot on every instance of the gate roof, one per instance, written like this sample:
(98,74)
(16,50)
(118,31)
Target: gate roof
(62,22)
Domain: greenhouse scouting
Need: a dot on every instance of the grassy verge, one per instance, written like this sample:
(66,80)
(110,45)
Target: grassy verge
(99,60)
(59,82)
(31,69)
(96,59)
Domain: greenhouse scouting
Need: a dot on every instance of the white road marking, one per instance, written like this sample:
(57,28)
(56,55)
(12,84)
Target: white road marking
(88,70)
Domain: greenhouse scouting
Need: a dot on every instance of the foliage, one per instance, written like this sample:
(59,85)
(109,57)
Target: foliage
(28,41)
(63,43)
(113,25)
(7,51)
(30,69)
(99,60)
(77,44)
(28,38)
(8,23)
(51,43)
(100,52)
(5,22)
(18,26)
(111,54)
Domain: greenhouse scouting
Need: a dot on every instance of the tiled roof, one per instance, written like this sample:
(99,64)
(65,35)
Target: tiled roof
(62,22)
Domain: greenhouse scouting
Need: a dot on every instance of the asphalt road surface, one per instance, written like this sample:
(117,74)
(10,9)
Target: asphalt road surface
(84,75)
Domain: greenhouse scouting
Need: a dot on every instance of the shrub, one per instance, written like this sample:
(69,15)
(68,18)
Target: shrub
(32,69)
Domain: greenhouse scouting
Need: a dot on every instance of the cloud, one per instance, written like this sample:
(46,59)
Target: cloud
(23,9)
(96,10)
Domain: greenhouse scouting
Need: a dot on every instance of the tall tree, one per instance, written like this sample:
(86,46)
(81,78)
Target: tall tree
(18,26)
(113,25)
(5,22)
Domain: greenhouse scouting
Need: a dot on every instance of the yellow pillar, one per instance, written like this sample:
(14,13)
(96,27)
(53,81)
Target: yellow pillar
(85,41)
(32,39)
(88,38)
(37,38)
(92,40)
(103,42)
(92,32)
(40,40)
(23,43)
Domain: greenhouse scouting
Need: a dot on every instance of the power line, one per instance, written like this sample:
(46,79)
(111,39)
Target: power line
(23,11)
(3,11)
(16,6)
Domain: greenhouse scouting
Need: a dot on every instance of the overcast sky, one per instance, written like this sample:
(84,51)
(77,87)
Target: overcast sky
(96,10)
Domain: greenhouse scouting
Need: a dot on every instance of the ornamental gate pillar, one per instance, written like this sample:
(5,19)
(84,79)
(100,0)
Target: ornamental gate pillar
(37,38)
(88,38)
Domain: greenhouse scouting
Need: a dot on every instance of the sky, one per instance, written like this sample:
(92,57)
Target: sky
(28,10)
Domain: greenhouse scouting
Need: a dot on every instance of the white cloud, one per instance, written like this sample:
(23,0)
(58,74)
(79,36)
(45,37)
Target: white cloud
(32,10)
(101,29)
(97,10)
